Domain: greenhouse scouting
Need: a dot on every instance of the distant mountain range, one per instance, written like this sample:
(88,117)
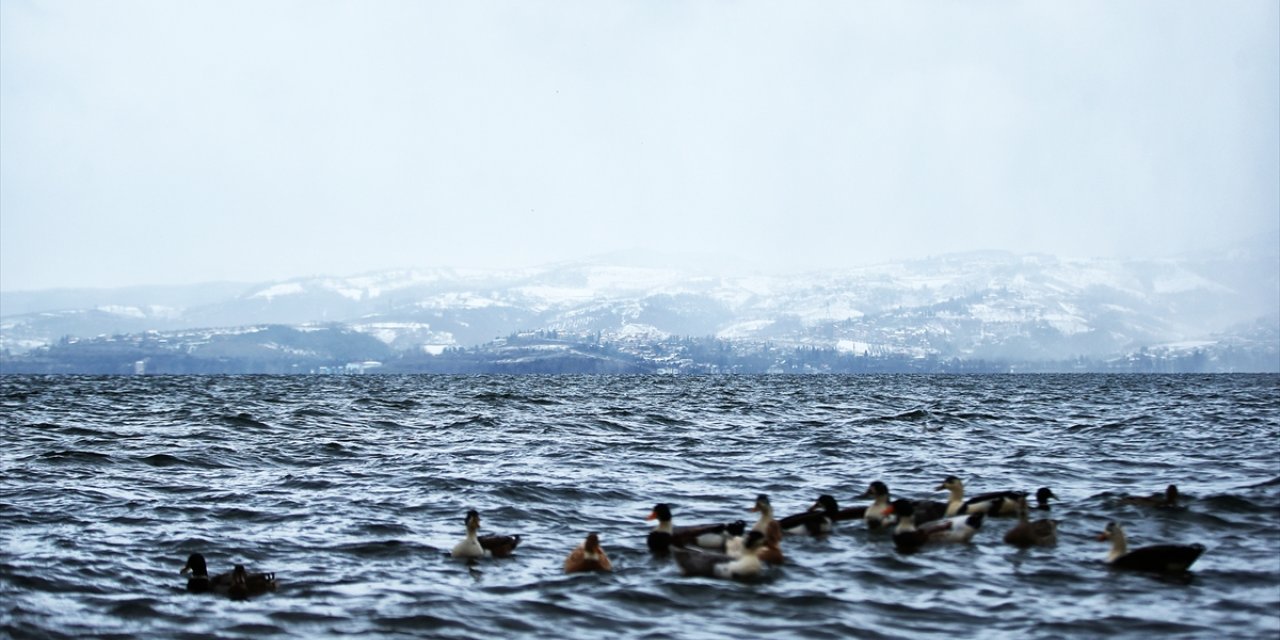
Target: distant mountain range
(989,307)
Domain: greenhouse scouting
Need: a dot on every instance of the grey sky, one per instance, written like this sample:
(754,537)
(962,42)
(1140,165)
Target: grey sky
(177,142)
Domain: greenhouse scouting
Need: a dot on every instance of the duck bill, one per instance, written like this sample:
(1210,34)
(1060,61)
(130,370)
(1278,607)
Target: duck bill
(653,515)
(1102,537)
(185,570)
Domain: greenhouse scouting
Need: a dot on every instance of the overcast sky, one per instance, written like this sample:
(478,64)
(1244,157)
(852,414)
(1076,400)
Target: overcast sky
(178,142)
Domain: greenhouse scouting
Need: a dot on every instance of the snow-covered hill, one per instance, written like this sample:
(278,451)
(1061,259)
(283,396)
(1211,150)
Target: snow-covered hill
(977,305)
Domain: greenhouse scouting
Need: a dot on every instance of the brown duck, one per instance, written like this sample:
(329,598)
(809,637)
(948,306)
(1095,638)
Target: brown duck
(588,556)
(1028,533)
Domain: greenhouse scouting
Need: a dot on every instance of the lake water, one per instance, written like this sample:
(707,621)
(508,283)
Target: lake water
(353,489)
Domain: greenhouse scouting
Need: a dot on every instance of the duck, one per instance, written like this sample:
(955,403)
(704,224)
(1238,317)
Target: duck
(1166,500)
(660,538)
(766,524)
(1025,534)
(878,514)
(997,503)
(588,556)
(907,537)
(771,549)
(245,585)
(769,552)
(665,535)
(712,536)
(249,583)
(955,501)
(200,581)
(477,546)
(1042,498)
(734,534)
(819,519)
(1159,558)
(695,562)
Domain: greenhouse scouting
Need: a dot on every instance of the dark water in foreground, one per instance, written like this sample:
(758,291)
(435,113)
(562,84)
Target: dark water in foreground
(353,488)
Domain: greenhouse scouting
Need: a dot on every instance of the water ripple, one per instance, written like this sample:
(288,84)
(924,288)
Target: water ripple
(352,489)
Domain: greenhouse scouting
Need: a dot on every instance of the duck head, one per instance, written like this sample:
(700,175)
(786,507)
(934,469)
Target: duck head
(1042,497)
(762,504)
(1111,532)
(1115,534)
(661,512)
(826,504)
(195,566)
(876,490)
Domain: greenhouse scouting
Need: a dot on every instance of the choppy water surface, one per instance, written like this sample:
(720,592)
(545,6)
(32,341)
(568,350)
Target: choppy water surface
(353,490)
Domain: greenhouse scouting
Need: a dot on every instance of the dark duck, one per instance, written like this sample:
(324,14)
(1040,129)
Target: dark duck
(695,562)
(1158,558)
(818,520)
(1031,533)
(666,535)
(909,537)
(1168,499)
(238,583)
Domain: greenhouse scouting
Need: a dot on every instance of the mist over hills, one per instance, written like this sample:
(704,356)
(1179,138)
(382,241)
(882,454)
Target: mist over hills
(1221,309)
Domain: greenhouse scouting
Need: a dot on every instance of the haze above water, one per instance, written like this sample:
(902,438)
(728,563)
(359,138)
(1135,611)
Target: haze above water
(162,143)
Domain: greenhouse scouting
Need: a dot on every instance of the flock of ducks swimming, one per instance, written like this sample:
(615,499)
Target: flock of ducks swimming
(731,550)
(722,550)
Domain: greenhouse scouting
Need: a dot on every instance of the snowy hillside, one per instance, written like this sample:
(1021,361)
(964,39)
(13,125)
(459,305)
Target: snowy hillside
(978,305)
